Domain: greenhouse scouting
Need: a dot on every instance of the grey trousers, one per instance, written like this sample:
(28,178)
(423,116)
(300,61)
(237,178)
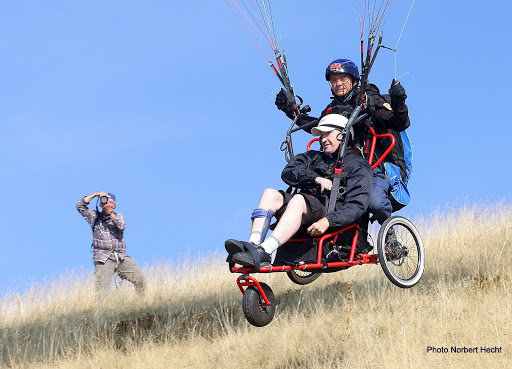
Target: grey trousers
(126,270)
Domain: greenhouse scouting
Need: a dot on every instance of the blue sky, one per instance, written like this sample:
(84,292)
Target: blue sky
(170,105)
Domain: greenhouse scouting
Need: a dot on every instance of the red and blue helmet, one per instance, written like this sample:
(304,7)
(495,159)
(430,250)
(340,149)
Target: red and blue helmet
(342,66)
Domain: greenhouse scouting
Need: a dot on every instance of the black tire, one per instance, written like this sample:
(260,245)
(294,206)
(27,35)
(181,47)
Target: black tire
(403,261)
(252,305)
(302,277)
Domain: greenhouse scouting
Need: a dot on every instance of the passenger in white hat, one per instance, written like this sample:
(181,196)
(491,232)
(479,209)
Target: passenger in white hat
(311,173)
(329,129)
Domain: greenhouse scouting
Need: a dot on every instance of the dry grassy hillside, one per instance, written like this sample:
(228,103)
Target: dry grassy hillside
(191,316)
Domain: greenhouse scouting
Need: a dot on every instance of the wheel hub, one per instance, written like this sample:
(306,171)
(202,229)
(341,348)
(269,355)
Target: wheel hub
(395,251)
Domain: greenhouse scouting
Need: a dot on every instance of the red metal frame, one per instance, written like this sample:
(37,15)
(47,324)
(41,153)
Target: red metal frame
(246,280)
(372,149)
(374,142)
(361,258)
(311,142)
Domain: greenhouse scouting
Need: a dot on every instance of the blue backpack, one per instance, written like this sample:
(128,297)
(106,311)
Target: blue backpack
(400,196)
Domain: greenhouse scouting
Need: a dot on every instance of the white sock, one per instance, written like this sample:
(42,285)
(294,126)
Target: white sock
(271,244)
(255,238)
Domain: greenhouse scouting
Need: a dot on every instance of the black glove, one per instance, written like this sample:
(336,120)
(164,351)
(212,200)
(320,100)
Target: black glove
(397,94)
(285,105)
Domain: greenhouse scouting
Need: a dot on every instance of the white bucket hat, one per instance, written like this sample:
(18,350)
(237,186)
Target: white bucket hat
(328,123)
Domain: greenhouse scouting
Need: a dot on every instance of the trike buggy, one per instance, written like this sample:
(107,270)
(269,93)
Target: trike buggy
(399,252)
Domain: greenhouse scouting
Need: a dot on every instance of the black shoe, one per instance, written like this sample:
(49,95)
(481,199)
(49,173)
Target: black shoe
(363,246)
(390,236)
(366,248)
(394,249)
(233,246)
(247,259)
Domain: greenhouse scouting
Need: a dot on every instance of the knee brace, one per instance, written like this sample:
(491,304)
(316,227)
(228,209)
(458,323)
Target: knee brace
(262,213)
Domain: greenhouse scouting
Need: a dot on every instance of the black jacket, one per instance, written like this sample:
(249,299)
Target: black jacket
(385,120)
(357,176)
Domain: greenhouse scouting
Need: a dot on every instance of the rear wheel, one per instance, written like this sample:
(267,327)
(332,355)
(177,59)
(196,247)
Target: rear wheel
(252,305)
(401,252)
(302,277)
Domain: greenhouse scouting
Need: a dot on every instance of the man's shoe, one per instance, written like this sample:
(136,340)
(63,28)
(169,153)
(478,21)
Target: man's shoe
(247,259)
(390,236)
(393,248)
(233,246)
(363,246)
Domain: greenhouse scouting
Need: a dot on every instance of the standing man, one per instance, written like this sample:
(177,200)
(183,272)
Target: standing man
(108,245)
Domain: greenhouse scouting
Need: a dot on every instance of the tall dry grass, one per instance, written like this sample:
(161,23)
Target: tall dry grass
(191,316)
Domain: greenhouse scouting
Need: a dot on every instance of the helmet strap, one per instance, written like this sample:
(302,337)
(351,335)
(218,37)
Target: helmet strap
(349,96)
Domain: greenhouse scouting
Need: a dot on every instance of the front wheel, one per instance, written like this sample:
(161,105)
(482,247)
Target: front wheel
(401,252)
(252,305)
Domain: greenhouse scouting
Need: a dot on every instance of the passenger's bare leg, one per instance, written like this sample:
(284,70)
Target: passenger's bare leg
(288,225)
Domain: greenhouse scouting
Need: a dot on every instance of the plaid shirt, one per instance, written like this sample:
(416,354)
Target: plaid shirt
(107,234)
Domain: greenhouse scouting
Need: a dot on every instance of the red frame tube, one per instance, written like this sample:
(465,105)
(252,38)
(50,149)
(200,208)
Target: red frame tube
(311,143)
(374,142)
(363,258)
(372,149)
(246,281)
